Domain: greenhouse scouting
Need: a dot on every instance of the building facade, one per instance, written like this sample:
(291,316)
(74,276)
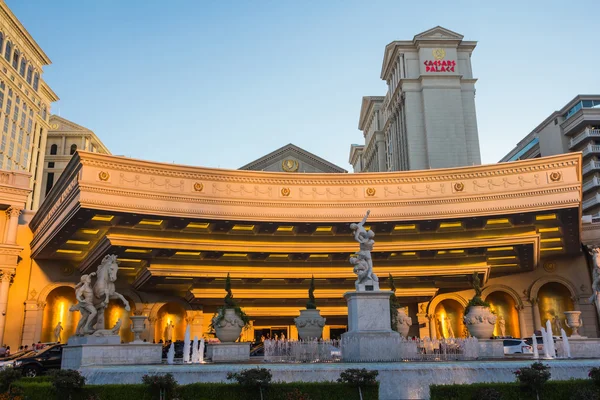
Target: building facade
(573,128)
(64,139)
(25,101)
(291,158)
(427,119)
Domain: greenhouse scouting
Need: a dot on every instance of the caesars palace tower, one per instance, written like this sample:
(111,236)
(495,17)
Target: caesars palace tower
(427,118)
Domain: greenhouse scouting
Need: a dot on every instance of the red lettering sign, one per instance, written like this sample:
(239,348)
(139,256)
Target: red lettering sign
(439,66)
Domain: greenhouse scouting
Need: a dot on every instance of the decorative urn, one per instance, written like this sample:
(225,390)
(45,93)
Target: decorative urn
(310,324)
(138,325)
(228,328)
(574,322)
(480,322)
(404,322)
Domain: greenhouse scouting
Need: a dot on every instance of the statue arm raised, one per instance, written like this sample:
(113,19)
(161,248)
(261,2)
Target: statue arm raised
(365,218)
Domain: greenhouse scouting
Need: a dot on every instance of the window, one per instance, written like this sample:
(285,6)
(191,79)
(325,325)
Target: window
(5,124)
(73,149)
(18,155)
(16,60)
(8,51)
(22,68)
(44,113)
(51,164)
(1,98)
(53,149)
(13,131)
(8,104)
(29,74)
(9,164)
(49,182)
(36,81)
(25,158)
(3,144)
(1,39)
(11,148)
(29,122)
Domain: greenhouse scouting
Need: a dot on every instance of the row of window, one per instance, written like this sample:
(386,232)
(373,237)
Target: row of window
(54,149)
(582,104)
(19,63)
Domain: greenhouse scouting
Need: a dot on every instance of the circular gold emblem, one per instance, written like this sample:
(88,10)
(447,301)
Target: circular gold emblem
(285,192)
(67,270)
(439,54)
(198,186)
(459,186)
(54,126)
(549,266)
(555,176)
(371,192)
(290,165)
(103,176)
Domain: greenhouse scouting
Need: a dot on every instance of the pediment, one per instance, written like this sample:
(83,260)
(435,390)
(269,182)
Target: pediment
(438,33)
(291,158)
(61,124)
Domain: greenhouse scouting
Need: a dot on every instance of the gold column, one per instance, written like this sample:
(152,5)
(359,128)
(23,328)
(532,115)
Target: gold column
(432,327)
(5,280)
(537,319)
(522,327)
(13,223)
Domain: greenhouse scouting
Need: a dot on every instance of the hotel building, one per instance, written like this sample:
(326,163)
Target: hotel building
(427,119)
(179,230)
(573,128)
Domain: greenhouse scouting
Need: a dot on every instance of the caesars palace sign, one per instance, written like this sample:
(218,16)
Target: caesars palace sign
(439,64)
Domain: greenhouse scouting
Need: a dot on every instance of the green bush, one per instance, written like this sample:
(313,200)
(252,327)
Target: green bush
(7,377)
(552,390)
(204,391)
(161,386)
(67,382)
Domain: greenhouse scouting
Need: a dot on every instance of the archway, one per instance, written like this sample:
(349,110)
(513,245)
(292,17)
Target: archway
(58,302)
(116,311)
(554,299)
(503,304)
(449,315)
(173,315)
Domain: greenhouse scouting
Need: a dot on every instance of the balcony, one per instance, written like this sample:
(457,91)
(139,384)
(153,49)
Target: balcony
(590,166)
(590,149)
(592,183)
(591,202)
(587,133)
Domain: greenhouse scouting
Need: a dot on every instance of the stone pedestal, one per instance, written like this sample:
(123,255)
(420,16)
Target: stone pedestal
(370,336)
(228,352)
(87,355)
(580,347)
(95,340)
(491,348)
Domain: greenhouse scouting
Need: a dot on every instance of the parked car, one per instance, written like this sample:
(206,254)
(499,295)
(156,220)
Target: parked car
(517,346)
(38,362)
(258,350)
(9,361)
(540,342)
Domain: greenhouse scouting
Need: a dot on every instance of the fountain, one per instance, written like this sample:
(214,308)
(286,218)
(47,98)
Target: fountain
(565,343)
(546,345)
(186,345)
(195,356)
(534,344)
(201,351)
(171,354)
(550,338)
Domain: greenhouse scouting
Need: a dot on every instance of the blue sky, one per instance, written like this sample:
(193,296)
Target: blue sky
(221,83)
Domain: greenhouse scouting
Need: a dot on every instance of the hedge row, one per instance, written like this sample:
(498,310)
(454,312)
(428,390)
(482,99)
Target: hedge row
(205,391)
(576,389)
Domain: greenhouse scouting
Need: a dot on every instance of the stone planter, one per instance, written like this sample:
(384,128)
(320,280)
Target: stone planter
(310,324)
(137,327)
(480,322)
(404,322)
(574,322)
(228,329)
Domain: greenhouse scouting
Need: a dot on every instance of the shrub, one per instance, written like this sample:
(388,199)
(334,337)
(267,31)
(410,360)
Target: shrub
(585,392)
(358,378)
(595,375)
(66,382)
(162,385)
(7,377)
(534,377)
(487,393)
(255,377)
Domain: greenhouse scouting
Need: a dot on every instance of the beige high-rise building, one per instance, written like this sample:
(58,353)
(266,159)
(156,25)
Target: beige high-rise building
(427,118)
(64,139)
(24,102)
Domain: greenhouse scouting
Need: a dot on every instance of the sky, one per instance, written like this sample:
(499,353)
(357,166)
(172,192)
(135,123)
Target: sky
(222,83)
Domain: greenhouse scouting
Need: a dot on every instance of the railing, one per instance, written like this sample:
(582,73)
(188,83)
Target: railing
(585,134)
(589,149)
(591,202)
(326,351)
(592,183)
(592,165)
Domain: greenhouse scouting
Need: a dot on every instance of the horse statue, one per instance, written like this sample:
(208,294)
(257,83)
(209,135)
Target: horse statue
(104,288)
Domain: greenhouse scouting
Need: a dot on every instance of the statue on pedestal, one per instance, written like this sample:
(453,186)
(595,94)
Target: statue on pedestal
(594,251)
(362,261)
(93,301)
(449,328)
(58,332)
(169,331)
(501,325)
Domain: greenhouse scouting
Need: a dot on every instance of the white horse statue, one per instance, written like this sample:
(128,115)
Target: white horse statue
(104,288)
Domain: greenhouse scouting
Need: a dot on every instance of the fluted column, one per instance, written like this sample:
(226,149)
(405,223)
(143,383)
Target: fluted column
(522,327)
(432,327)
(5,280)
(13,223)
(537,318)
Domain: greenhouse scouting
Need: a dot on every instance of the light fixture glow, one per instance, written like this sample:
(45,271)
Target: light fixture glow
(545,217)
(198,225)
(552,249)
(404,227)
(502,258)
(64,251)
(79,242)
(90,231)
(550,240)
(187,253)
(141,251)
(153,222)
(103,218)
(506,248)
(445,225)
(499,221)
(242,228)
(546,230)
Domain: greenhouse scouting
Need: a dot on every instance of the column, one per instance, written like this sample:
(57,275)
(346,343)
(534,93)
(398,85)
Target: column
(151,329)
(195,321)
(32,323)
(381,153)
(13,222)
(522,326)
(5,281)
(63,146)
(432,326)
(537,319)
